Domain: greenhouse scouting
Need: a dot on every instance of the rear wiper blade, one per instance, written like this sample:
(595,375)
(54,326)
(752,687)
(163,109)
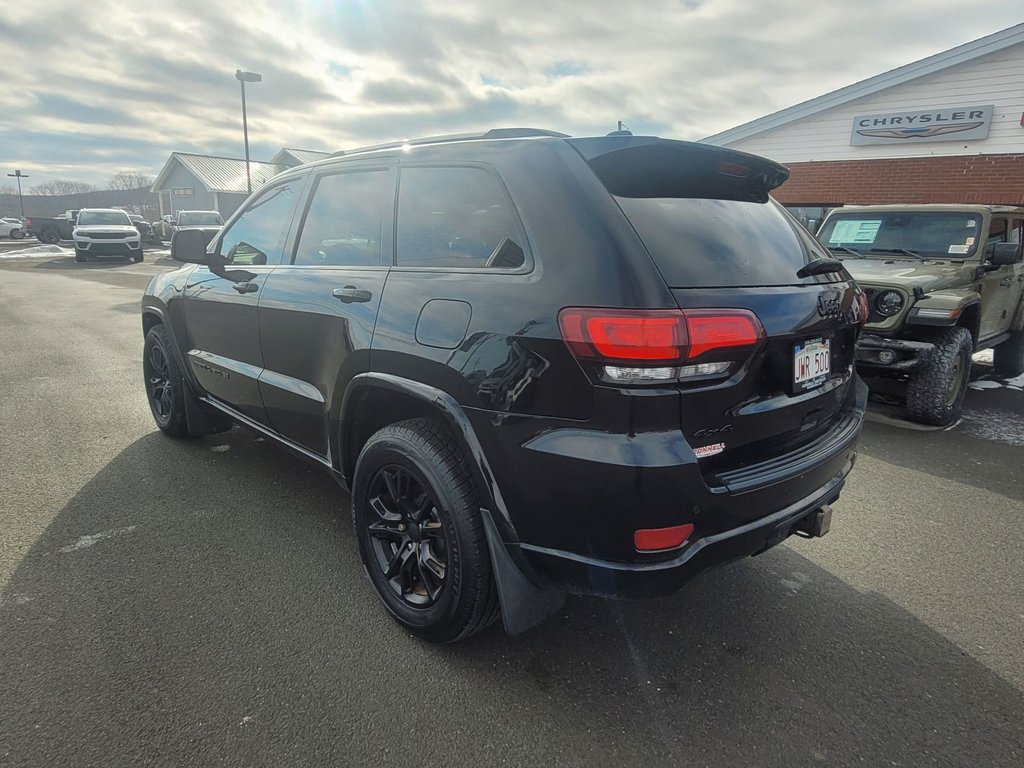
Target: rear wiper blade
(902,251)
(820,267)
(841,249)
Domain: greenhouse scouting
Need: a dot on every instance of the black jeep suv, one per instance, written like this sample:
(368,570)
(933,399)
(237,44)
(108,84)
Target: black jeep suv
(542,364)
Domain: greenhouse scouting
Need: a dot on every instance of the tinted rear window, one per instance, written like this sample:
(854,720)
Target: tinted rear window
(704,243)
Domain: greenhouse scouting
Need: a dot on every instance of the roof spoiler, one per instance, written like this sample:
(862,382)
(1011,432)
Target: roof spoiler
(644,166)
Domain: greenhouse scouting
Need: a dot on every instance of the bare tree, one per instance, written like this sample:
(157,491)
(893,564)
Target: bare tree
(8,189)
(62,187)
(129,180)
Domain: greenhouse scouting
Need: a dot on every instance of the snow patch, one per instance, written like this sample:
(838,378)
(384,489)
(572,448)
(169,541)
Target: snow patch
(985,384)
(995,425)
(37,252)
(94,538)
(984,357)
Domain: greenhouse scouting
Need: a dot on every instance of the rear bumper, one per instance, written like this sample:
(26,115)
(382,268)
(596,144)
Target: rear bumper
(587,575)
(879,352)
(575,498)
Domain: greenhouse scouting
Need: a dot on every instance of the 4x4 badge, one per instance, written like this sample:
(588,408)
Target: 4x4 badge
(829,305)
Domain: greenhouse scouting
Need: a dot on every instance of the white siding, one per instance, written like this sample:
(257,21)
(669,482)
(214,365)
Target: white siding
(995,79)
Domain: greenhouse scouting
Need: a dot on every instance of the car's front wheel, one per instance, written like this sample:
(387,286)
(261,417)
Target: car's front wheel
(165,387)
(935,394)
(419,532)
(136,258)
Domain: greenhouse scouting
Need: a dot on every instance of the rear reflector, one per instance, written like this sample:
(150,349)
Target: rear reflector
(659,539)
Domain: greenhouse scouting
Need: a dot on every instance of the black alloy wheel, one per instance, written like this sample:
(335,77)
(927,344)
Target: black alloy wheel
(407,537)
(159,386)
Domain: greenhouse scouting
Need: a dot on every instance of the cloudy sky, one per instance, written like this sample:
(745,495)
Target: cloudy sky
(90,88)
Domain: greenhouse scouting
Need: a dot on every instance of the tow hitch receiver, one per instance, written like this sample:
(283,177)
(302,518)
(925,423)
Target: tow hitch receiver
(816,524)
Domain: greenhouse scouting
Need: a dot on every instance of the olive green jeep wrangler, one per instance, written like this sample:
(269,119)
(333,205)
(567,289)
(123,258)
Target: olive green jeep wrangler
(943,282)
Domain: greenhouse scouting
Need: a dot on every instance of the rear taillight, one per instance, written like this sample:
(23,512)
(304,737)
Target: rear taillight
(656,346)
(28,223)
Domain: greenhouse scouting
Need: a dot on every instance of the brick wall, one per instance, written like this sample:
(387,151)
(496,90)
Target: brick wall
(995,179)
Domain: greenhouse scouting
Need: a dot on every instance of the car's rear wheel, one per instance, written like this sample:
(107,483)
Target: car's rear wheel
(935,394)
(17,234)
(49,236)
(165,387)
(419,532)
(1009,356)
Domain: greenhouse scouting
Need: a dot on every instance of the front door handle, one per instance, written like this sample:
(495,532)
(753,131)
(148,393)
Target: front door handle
(350,294)
(246,287)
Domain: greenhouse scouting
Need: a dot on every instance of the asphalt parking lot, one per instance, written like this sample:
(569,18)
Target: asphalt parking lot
(201,603)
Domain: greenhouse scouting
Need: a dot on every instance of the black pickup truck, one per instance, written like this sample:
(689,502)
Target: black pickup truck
(52,230)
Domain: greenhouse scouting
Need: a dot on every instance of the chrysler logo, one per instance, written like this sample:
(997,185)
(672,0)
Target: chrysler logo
(829,305)
(919,132)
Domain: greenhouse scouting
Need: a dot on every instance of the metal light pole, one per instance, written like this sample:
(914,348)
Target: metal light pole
(19,176)
(243,78)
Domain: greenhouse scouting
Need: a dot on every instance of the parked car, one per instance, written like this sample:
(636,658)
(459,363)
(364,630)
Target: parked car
(943,282)
(106,232)
(12,228)
(207,222)
(52,230)
(542,364)
(147,231)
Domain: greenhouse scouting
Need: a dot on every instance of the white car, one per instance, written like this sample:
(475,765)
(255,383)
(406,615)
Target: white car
(106,232)
(11,227)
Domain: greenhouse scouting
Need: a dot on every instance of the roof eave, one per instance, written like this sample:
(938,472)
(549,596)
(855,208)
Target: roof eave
(961,54)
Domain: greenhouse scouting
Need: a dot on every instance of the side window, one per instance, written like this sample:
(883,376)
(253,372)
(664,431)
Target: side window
(257,236)
(456,217)
(1017,231)
(345,222)
(997,231)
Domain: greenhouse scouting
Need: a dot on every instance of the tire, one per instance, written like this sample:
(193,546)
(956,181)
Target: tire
(1009,357)
(429,523)
(80,256)
(136,258)
(165,387)
(935,394)
(17,234)
(49,236)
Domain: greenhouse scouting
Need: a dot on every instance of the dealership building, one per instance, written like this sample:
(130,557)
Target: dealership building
(946,129)
(191,182)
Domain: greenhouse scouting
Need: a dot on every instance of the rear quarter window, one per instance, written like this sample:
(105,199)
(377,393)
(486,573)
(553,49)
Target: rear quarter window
(706,243)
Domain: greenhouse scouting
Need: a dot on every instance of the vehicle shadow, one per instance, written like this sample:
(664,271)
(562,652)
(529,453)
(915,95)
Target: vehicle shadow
(201,602)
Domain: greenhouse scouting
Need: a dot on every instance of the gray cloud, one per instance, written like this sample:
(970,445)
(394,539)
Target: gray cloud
(119,86)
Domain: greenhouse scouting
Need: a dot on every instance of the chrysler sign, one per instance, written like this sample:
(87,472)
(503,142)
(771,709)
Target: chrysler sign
(945,124)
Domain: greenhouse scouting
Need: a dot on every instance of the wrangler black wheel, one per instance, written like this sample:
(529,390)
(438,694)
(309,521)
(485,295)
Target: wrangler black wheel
(419,532)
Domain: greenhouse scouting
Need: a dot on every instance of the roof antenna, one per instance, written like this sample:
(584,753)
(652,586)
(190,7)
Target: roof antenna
(622,131)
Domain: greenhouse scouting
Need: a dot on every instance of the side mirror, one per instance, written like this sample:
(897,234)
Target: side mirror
(1005,254)
(189,246)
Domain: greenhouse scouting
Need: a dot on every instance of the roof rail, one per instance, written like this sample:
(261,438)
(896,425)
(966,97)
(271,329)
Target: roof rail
(494,133)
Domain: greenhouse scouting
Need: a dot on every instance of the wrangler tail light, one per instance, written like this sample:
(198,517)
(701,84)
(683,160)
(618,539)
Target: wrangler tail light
(648,346)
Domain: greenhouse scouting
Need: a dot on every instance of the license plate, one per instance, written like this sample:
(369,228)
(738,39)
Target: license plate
(811,364)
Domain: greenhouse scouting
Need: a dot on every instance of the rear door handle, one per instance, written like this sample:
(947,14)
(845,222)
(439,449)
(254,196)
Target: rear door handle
(246,287)
(350,294)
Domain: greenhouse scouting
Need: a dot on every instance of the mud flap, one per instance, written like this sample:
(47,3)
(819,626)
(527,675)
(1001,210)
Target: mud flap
(524,605)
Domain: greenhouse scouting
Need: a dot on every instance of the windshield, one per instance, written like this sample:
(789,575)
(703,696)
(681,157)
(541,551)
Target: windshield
(104,218)
(200,219)
(943,234)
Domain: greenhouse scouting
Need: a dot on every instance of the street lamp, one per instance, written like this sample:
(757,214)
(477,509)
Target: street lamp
(19,176)
(243,78)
